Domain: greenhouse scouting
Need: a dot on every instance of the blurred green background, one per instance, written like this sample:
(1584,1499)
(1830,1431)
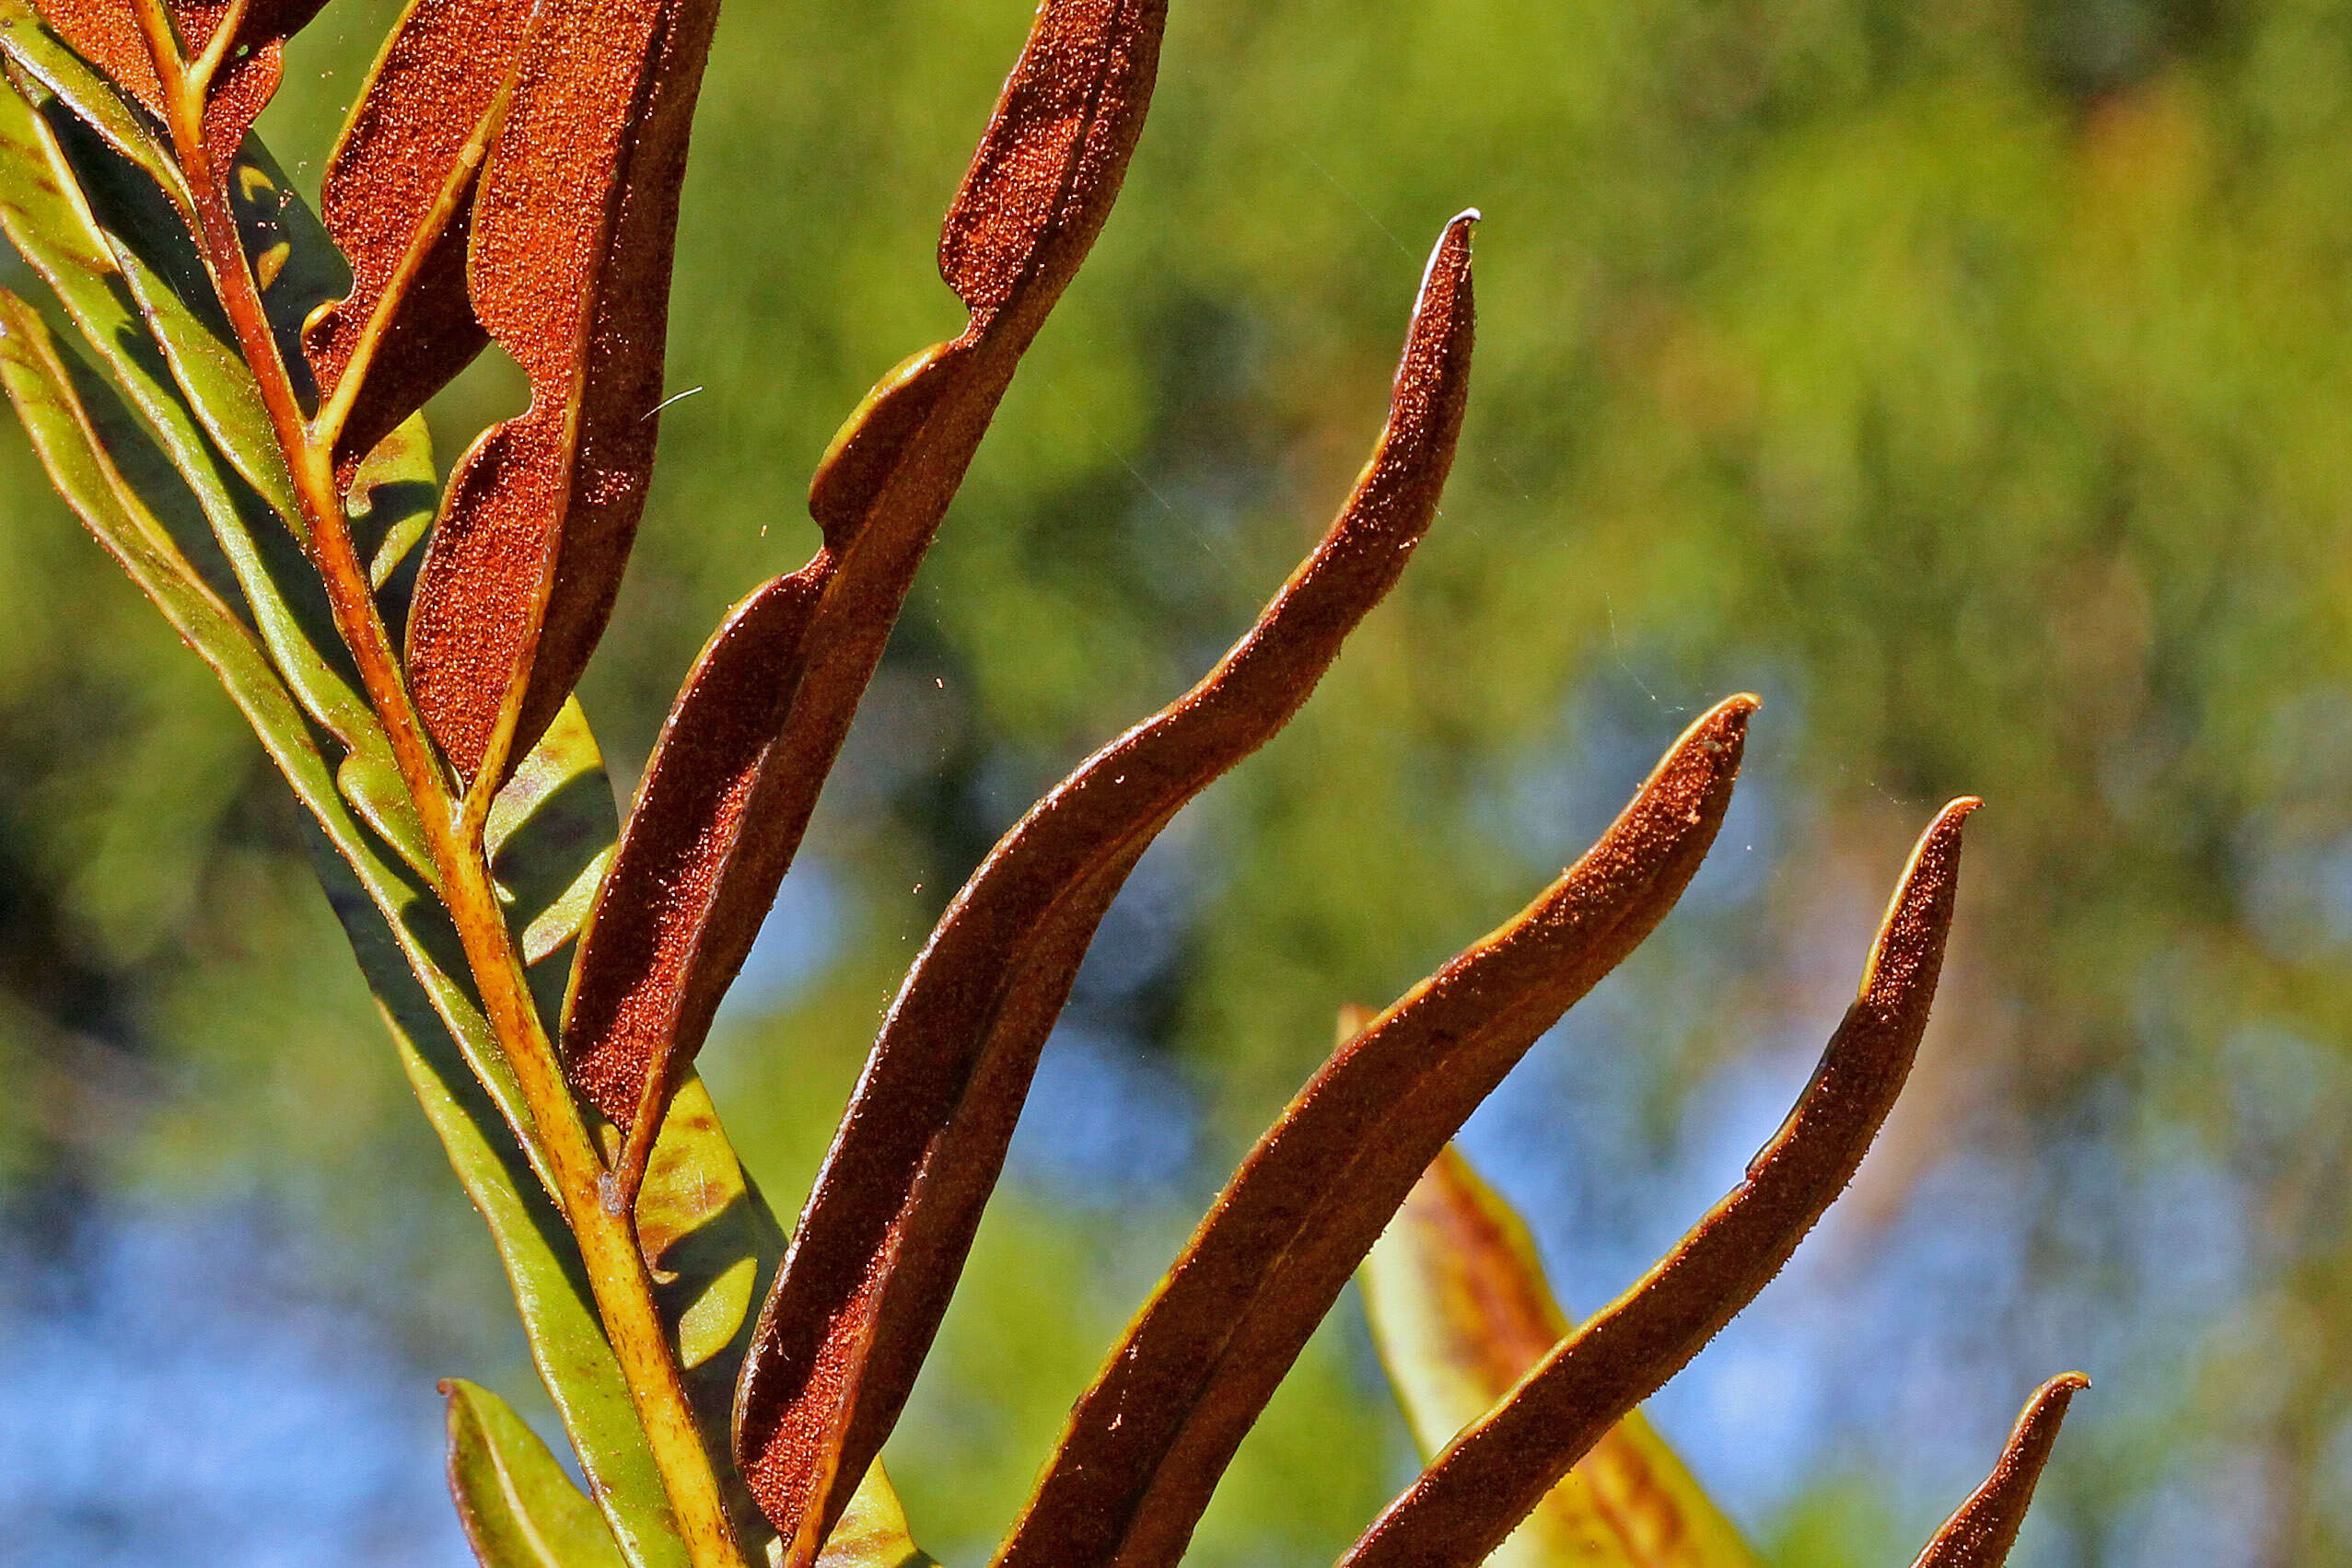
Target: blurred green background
(1972,380)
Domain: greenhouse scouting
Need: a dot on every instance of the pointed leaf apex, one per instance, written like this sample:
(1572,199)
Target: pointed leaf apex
(1982,1530)
(1719,736)
(1452,252)
(1055,151)
(1910,944)
(1433,375)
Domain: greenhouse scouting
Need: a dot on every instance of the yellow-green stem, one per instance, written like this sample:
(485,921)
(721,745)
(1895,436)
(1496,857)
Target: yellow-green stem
(608,1242)
(201,71)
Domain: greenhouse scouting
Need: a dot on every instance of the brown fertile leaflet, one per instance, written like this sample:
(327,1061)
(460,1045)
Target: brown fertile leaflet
(1469,1499)
(107,34)
(716,828)
(439,75)
(886,1232)
(924,1139)
(573,219)
(1146,1443)
(710,752)
(1460,1312)
(1058,143)
(1981,1530)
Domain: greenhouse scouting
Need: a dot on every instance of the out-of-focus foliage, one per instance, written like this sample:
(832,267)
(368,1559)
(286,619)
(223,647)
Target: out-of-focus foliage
(1974,382)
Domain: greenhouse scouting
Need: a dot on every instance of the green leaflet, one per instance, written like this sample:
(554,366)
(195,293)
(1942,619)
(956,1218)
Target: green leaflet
(77,428)
(175,469)
(711,1242)
(550,834)
(294,261)
(149,241)
(403,945)
(872,1531)
(53,226)
(709,1236)
(49,162)
(536,1248)
(28,46)
(713,1245)
(1459,1311)
(552,828)
(95,452)
(44,213)
(394,493)
(41,213)
(519,1508)
(92,450)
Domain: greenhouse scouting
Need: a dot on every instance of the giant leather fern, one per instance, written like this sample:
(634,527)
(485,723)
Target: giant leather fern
(227,389)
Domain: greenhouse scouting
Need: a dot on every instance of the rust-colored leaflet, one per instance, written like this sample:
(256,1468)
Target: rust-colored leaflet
(1042,182)
(920,1150)
(397,198)
(107,33)
(1054,151)
(1460,1312)
(1982,1530)
(688,814)
(652,983)
(568,266)
(886,481)
(1148,1440)
(1468,1501)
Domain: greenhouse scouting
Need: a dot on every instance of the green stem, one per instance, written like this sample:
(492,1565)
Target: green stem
(608,1243)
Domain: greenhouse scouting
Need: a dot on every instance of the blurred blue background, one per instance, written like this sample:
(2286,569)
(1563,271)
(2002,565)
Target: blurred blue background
(1973,381)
